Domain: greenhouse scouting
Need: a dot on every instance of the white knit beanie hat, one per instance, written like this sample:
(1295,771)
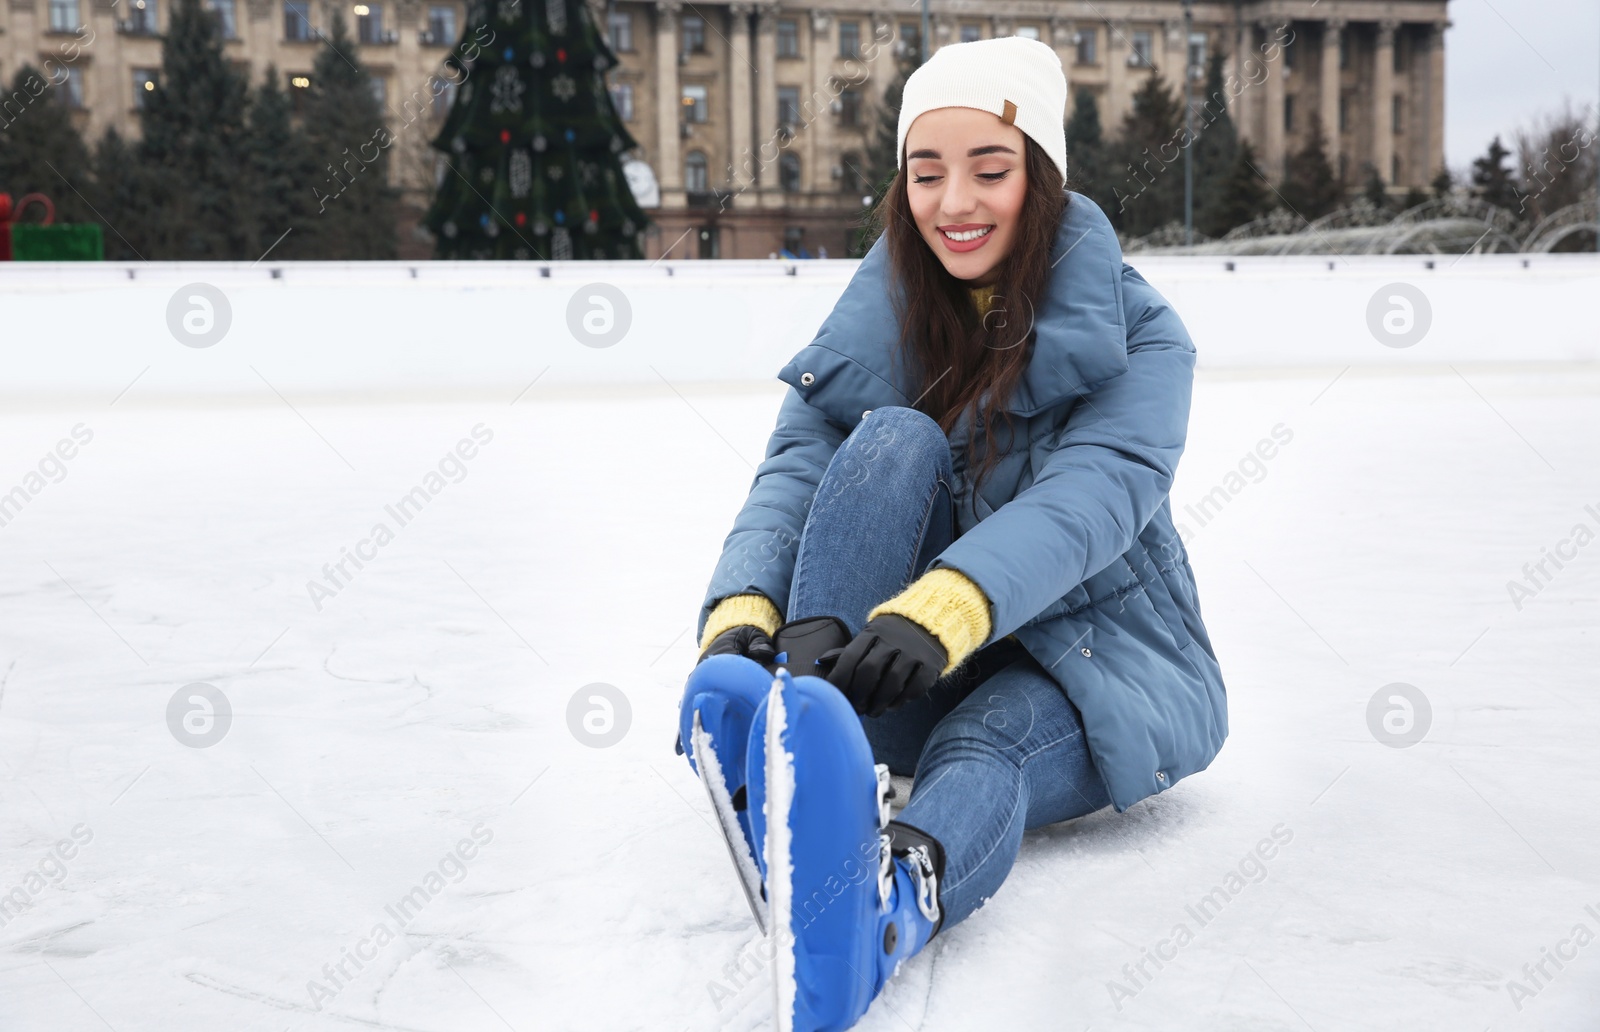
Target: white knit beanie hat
(1015,78)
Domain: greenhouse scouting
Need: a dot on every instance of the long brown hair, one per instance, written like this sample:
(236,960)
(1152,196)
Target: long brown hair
(956,359)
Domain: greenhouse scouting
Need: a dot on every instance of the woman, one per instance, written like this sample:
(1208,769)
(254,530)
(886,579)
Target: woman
(960,542)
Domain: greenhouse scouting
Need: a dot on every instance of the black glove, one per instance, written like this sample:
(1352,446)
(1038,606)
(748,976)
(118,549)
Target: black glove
(743,640)
(891,662)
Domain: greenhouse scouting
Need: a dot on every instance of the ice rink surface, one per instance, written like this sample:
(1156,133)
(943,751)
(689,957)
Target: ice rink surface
(409,823)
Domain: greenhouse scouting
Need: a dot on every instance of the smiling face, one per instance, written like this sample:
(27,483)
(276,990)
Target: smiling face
(966,175)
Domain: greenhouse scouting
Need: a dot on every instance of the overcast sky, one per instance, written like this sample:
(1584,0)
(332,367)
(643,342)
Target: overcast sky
(1509,60)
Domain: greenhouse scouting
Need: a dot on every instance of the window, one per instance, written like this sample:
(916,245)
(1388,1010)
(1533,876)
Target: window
(296,20)
(1344,48)
(441,25)
(369,23)
(789,172)
(788,38)
(379,89)
(144,82)
(1288,114)
(1399,53)
(1027,32)
(444,98)
(971,33)
(788,105)
(299,89)
(852,180)
(850,108)
(849,39)
(64,15)
(622,100)
(619,26)
(141,17)
(694,172)
(227,17)
(1344,112)
(1344,167)
(1394,169)
(792,235)
(1290,54)
(695,108)
(70,92)
(910,39)
(1197,55)
(694,34)
(1143,49)
(1399,112)
(1087,38)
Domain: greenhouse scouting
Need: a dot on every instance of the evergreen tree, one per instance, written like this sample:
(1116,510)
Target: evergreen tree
(194,148)
(1493,182)
(1414,197)
(1086,151)
(1309,187)
(353,208)
(122,195)
(1374,190)
(282,168)
(1147,174)
(36,134)
(1242,197)
(881,157)
(1443,183)
(1215,154)
(534,143)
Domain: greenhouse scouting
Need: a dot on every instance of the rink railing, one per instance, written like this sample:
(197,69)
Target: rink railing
(421,328)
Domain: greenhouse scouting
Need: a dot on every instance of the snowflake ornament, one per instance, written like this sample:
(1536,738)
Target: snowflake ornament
(563,87)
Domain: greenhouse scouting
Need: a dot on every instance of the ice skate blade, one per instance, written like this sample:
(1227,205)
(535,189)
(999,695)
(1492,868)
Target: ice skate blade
(780,784)
(706,762)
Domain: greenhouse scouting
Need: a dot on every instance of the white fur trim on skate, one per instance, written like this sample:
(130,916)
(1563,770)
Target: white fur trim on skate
(780,861)
(716,784)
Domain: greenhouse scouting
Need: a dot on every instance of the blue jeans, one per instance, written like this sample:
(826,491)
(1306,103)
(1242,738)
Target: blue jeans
(996,747)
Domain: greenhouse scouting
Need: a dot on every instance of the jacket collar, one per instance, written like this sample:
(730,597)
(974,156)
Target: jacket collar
(1081,336)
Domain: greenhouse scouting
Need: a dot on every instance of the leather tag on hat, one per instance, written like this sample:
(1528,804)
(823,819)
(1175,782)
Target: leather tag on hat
(1009,117)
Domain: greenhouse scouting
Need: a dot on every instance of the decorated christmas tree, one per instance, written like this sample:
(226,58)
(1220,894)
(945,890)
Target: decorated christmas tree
(533,143)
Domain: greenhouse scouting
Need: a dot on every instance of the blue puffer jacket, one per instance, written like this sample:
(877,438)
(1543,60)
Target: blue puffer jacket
(1072,536)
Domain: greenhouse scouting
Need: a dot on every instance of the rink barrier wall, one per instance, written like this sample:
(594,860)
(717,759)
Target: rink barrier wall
(436,328)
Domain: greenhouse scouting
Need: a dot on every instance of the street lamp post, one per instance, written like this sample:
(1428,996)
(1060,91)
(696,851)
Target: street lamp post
(923,42)
(1188,128)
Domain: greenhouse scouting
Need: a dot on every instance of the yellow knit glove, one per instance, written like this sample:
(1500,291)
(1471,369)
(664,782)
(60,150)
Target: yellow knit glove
(738,610)
(949,606)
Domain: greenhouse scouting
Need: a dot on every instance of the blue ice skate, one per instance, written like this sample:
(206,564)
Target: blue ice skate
(850,893)
(719,703)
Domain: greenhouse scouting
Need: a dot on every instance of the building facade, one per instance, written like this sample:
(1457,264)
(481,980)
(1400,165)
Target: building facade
(754,118)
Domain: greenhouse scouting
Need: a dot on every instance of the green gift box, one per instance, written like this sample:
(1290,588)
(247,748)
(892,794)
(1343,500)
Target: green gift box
(76,242)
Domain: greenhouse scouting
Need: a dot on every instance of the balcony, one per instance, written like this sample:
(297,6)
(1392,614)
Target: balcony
(718,199)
